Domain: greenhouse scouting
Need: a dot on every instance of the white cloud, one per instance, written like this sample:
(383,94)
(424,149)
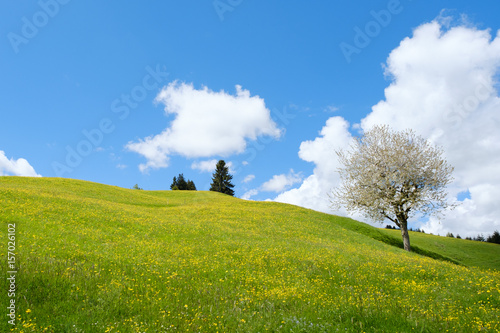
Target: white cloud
(230,166)
(277,183)
(443,87)
(281,182)
(19,167)
(209,166)
(247,195)
(313,193)
(206,123)
(204,166)
(331,108)
(248,178)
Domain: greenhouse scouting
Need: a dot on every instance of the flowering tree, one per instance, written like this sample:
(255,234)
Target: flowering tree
(392,175)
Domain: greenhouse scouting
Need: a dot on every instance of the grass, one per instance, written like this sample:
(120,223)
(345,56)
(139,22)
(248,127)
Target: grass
(457,251)
(96,258)
(463,252)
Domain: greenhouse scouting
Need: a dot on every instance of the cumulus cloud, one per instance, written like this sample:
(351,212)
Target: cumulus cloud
(248,194)
(281,182)
(209,166)
(204,166)
(278,183)
(19,167)
(207,123)
(442,86)
(248,178)
(313,192)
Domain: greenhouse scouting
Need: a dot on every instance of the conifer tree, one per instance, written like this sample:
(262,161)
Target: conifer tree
(180,183)
(191,186)
(495,238)
(173,186)
(221,179)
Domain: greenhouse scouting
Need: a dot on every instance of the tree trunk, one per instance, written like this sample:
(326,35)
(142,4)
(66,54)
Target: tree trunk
(405,235)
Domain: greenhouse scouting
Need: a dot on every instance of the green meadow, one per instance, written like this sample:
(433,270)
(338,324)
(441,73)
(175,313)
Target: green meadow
(98,258)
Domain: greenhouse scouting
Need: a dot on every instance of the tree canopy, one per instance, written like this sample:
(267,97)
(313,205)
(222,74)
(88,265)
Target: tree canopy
(180,183)
(494,238)
(221,179)
(392,175)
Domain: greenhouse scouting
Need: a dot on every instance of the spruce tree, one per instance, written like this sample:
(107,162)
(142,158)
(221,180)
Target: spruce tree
(221,179)
(495,238)
(174,186)
(180,183)
(191,186)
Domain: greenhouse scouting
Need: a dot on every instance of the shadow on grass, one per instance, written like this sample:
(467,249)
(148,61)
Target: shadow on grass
(399,243)
(376,234)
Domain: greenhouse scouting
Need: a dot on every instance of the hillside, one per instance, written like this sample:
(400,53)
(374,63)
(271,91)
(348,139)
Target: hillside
(458,251)
(97,258)
(464,252)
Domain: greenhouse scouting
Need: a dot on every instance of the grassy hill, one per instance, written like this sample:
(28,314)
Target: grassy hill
(458,251)
(97,258)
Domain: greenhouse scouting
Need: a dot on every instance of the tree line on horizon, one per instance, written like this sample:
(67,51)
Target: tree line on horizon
(179,183)
(221,181)
(493,238)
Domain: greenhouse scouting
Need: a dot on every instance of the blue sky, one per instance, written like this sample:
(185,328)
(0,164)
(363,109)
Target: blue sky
(287,69)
